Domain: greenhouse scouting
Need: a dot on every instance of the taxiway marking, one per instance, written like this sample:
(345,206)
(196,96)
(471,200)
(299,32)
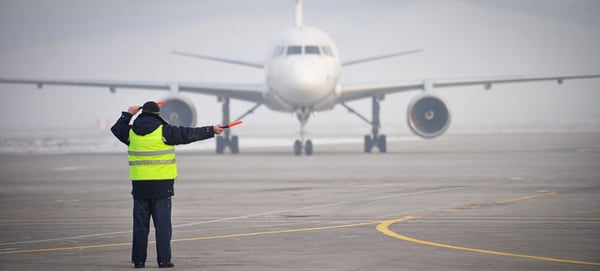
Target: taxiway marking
(220,220)
(384,227)
(203,238)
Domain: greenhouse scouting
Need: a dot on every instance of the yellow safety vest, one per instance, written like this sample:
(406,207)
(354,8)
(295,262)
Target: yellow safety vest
(150,158)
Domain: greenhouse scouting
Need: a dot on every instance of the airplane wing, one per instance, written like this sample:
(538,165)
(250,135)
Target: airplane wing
(374,58)
(222,59)
(246,92)
(355,92)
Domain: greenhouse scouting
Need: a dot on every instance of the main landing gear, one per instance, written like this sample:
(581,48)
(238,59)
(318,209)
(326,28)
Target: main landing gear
(227,140)
(374,140)
(302,143)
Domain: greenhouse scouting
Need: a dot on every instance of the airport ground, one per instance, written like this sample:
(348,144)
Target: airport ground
(470,202)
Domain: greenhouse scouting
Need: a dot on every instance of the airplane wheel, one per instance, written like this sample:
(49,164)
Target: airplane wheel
(297,147)
(308,149)
(381,144)
(235,147)
(220,144)
(368,144)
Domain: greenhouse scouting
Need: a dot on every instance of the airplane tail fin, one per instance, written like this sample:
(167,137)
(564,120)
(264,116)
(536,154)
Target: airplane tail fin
(298,13)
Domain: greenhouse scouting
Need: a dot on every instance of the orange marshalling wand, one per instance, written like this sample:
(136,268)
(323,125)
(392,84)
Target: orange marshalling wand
(233,124)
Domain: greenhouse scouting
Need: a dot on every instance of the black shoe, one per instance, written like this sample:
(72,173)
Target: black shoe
(166,265)
(139,265)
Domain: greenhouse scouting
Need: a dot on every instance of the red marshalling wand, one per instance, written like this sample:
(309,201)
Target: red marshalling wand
(233,124)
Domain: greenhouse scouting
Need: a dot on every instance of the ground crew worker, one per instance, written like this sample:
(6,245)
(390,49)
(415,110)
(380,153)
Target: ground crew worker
(153,170)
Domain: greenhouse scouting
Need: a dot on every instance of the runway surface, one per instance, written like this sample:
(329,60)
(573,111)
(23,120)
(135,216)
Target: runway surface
(472,202)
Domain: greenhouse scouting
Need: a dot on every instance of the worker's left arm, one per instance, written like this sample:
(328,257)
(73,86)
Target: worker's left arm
(176,135)
(121,128)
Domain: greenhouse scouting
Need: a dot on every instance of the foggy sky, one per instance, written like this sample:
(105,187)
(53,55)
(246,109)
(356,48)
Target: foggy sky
(132,40)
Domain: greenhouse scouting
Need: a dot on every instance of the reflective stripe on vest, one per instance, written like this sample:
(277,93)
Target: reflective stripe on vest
(150,153)
(152,162)
(150,158)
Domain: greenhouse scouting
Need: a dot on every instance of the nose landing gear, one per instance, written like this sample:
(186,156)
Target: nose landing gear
(308,147)
(302,143)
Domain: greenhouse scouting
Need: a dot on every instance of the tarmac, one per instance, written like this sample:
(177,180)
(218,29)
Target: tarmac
(460,202)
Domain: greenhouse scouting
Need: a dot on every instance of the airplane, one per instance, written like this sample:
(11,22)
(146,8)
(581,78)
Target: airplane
(302,76)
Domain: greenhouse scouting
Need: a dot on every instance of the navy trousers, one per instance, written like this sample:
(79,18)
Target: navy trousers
(160,211)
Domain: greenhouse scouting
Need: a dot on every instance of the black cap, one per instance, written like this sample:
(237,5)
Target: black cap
(151,107)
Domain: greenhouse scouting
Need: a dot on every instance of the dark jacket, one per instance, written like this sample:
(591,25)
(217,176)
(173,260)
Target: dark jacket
(146,123)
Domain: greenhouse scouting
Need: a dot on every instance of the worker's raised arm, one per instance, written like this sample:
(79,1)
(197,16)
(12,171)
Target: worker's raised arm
(121,127)
(177,135)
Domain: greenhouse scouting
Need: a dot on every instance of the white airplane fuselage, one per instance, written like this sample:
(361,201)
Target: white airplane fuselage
(302,71)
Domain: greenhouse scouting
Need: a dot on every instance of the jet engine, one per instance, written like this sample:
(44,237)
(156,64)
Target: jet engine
(428,116)
(178,111)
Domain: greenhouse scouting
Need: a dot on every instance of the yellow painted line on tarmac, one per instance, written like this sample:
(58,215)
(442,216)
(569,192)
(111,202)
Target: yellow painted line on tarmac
(198,238)
(384,227)
(525,197)
(66,248)
(278,231)
(499,202)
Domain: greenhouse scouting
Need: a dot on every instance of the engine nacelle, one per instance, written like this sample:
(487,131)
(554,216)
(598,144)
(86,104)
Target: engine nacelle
(178,111)
(428,116)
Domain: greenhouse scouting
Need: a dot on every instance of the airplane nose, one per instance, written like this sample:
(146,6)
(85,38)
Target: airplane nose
(303,78)
(304,83)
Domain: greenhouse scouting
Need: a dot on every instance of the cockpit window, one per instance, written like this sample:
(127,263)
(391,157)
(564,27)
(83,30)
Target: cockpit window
(294,50)
(327,50)
(312,50)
